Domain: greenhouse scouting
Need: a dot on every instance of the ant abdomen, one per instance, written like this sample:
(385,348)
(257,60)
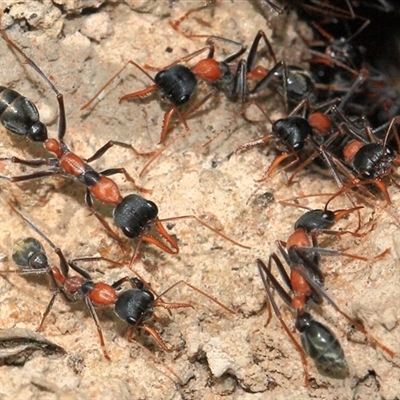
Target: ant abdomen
(321,344)
(28,253)
(20,116)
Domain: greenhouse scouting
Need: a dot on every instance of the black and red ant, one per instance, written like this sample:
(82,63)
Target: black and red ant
(134,306)
(303,256)
(132,213)
(177,83)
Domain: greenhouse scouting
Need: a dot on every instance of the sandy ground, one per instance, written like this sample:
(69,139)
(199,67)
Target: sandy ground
(216,354)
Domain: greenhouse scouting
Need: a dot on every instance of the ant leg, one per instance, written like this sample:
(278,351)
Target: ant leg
(100,152)
(73,264)
(331,252)
(128,177)
(51,162)
(264,82)
(95,317)
(284,275)
(240,84)
(229,58)
(89,203)
(153,357)
(196,53)
(31,163)
(205,225)
(35,175)
(166,305)
(156,336)
(48,309)
(251,58)
(267,276)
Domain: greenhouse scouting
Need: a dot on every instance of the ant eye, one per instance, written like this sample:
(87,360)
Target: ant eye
(184,99)
(328,216)
(131,320)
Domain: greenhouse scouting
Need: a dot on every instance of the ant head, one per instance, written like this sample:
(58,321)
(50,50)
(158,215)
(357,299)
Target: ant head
(176,84)
(134,305)
(293,131)
(134,214)
(316,220)
(37,132)
(29,253)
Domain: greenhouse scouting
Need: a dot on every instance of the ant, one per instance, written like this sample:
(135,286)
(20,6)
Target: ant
(303,256)
(134,306)
(132,213)
(177,83)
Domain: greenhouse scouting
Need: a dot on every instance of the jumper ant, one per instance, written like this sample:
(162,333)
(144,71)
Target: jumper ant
(177,83)
(303,256)
(132,213)
(135,306)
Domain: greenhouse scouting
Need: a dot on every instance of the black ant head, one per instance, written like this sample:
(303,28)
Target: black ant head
(315,220)
(176,84)
(134,214)
(134,306)
(29,253)
(37,132)
(291,133)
